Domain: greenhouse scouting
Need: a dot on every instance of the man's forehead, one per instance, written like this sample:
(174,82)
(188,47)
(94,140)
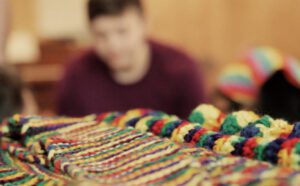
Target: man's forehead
(118,20)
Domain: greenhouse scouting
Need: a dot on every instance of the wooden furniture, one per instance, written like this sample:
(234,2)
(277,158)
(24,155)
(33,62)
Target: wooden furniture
(42,77)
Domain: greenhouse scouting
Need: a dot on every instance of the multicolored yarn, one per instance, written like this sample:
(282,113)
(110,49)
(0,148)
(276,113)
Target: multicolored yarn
(243,123)
(268,128)
(88,150)
(275,149)
(241,81)
(14,171)
(132,149)
(238,171)
(292,71)
(263,62)
(236,82)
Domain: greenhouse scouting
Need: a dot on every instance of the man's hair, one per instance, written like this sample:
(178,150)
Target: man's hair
(10,92)
(98,8)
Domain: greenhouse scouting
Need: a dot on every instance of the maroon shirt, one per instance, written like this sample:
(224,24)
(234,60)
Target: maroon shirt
(172,84)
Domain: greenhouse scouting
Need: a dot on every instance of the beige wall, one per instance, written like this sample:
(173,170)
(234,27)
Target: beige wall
(61,18)
(217,30)
(23,15)
(212,30)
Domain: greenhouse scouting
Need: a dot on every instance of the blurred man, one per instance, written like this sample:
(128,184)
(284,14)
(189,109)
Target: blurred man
(125,70)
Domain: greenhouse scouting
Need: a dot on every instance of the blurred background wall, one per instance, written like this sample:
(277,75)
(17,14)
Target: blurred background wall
(213,31)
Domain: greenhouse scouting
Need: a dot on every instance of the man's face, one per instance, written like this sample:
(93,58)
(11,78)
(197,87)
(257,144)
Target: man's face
(117,38)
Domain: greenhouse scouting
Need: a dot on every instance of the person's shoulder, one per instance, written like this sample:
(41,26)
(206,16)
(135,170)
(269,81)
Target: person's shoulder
(78,65)
(81,60)
(172,59)
(167,51)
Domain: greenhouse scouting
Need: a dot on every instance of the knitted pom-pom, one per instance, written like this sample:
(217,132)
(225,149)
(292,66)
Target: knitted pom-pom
(271,151)
(131,114)
(238,148)
(289,153)
(169,127)
(144,124)
(182,130)
(210,141)
(230,125)
(250,131)
(280,128)
(226,144)
(208,116)
(188,137)
(236,121)
(268,128)
(265,120)
(132,122)
(249,147)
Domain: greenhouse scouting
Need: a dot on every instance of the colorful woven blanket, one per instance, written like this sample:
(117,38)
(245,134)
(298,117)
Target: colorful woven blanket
(145,147)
